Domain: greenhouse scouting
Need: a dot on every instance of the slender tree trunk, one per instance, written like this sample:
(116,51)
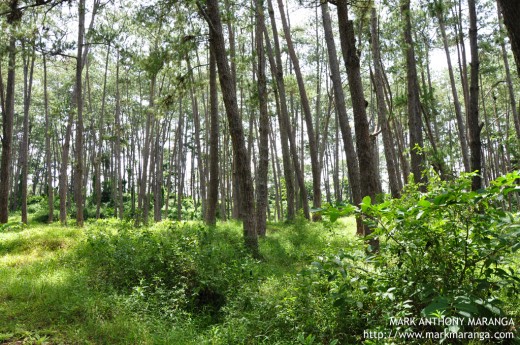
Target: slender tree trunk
(341,111)
(212,15)
(78,173)
(473,118)
(28,70)
(382,110)
(63,180)
(509,80)
(414,105)
(7,129)
(313,147)
(511,12)
(283,118)
(263,145)
(118,134)
(458,111)
(211,210)
(99,153)
(48,159)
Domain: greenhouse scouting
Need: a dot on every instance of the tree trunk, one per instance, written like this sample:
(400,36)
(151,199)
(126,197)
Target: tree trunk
(28,69)
(211,209)
(473,118)
(50,190)
(313,147)
(78,174)
(212,16)
(117,124)
(509,81)
(99,152)
(7,130)
(63,180)
(263,145)
(382,110)
(414,105)
(461,127)
(511,12)
(341,111)
(283,118)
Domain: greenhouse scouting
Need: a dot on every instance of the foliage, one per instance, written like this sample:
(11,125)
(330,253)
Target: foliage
(445,253)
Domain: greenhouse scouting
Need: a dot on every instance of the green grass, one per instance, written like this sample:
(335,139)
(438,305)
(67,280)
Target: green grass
(53,291)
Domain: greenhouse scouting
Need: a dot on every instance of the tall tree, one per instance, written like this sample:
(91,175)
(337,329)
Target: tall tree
(29,56)
(511,12)
(48,158)
(382,109)
(370,185)
(461,127)
(414,102)
(63,179)
(78,173)
(212,15)
(8,114)
(341,112)
(313,147)
(263,145)
(211,209)
(473,118)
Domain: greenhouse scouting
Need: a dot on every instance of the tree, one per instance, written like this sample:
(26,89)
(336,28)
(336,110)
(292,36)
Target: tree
(8,115)
(261,189)
(211,209)
(473,118)
(341,111)
(212,15)
(369,185)
(413,100)
(511,12)
(313,148)
(382,109)
(78,181)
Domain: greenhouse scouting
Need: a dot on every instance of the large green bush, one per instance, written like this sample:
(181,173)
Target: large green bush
(448,252)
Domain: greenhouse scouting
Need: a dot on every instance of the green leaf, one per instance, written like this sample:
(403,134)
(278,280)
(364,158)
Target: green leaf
(366,203)
(438,304)
(424,203)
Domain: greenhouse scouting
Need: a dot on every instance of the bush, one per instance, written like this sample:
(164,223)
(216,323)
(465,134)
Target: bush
(168,267)
(444,253)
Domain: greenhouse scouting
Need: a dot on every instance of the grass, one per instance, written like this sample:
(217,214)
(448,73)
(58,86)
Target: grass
(51,292)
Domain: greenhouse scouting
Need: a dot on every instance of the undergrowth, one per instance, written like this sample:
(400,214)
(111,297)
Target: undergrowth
(185,283)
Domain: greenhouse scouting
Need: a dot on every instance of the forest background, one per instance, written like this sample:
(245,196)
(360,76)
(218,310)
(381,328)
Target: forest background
(401,114)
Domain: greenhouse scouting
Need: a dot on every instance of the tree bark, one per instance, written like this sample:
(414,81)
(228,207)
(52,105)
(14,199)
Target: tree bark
(118,134)
(414,105)
(50,190)
(461,127)
(285,125)
(78,181)
(28,69)
(212,16)
(211,210)
(263,145)
(509,80)
(99,152)
(313,147)
(341,111)
(511,12)
(7,130)
(473,118)
(382,110)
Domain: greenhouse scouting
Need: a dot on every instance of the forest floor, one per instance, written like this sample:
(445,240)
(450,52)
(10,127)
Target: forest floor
(185,283)
(65,285)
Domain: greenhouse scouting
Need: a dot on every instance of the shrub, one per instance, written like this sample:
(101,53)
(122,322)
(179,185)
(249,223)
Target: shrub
(446,252)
